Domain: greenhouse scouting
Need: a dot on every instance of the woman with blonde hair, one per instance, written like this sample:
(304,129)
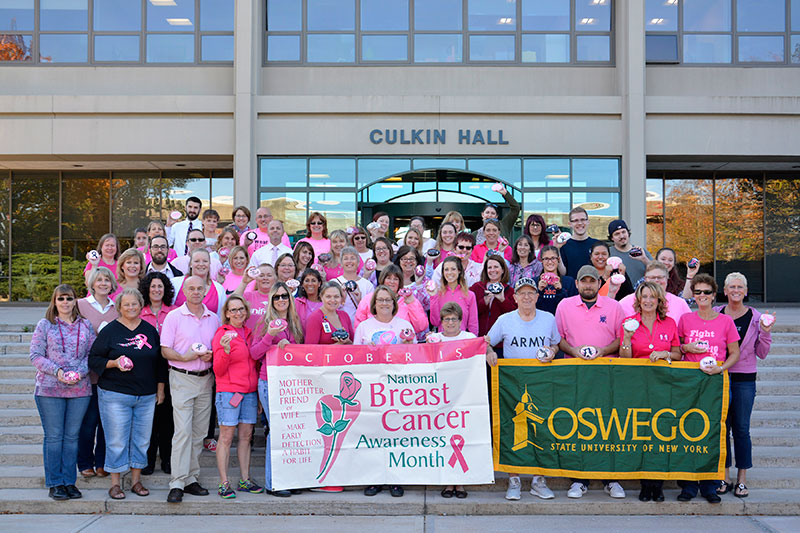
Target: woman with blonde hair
(200,266)
(226,242)
(455,218)
(130,270)
(454,289)
(232,274)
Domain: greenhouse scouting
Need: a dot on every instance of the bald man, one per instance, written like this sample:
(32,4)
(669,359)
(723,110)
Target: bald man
(263,218)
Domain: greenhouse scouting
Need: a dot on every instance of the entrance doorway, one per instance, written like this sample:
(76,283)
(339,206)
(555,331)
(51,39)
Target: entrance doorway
(431,194)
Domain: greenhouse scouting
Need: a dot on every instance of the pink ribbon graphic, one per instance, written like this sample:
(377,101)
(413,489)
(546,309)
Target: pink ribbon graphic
(141,340)
(457,442)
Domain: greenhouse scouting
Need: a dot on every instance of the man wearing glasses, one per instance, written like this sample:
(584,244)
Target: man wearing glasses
(196,240)
(491,211)
(159,247)
(177,232)
(576,251)
(465,243)
(656,272)
(263,219)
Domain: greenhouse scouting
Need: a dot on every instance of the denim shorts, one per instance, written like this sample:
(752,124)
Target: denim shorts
(245,413)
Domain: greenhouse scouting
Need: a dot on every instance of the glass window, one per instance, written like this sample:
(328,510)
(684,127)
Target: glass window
(761,48)
(782,204)
(706,48)
(545,48)
(594,48)
(546,173)
(506,169)
(492,15)
(331,48)
(661,48)
(689,216)
(117,15)
(602,207)
(795,49)
(661,16)
(222,195)
(384,48)
(217,15)
(593,15)
(327,15)
(116,48)
(136,200)
(432,48)
(15,47)
(440,163)
(5,228)
(181,185)
(437,15)
(170,48)
(84,219)
(545,15)
(16,15)
(63,48)
(483,190)
(216,47)
(380,15)
(331,172)
(491,47)
(655,215)
(178,15)
(370,170)
(64,15)
(283,48)
(553,206)
(284,15)
(382,192)
(338,207)
(283,172)
(290,207)
(795,15)
(706,15)
(761,15)
(595,172)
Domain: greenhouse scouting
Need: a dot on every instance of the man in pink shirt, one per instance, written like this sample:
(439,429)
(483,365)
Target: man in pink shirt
(191,381)
(589,325)
(656,272)
(263,218)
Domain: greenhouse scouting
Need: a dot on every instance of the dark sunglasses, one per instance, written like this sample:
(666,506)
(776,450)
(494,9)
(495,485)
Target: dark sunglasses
(315,223)
(284,296)
(359,237)
(706,292)
(195,239)
(462,247)
(65,299)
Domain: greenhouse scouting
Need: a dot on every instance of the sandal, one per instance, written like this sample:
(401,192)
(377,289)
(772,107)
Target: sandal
(724,487)
(116,492)
(139,489)
(741,491)
(448,493)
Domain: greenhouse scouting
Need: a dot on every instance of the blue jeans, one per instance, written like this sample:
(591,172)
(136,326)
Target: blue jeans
(91,450)
(743,394)
(706,487)
(61,421)
(263,394)
(128,421)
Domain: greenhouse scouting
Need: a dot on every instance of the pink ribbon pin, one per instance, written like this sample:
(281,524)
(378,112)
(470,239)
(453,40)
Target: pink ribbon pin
(457,442)
(141,340)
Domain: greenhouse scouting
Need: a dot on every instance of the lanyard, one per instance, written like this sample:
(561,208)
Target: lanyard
(77,340)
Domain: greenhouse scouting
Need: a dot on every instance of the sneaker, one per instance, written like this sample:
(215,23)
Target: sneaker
(327,489)
(225,491)
(210,445)
(539,488)
(614,490)
(247,485)
(514,487)
(576,490)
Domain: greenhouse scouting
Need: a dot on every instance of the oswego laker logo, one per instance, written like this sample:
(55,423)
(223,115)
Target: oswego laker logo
(525,420)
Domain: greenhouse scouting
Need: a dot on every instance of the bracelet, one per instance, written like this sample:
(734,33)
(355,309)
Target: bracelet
(626,346)
(690,279)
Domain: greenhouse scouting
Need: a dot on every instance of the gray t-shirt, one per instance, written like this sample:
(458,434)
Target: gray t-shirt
(521,339)
(633,267)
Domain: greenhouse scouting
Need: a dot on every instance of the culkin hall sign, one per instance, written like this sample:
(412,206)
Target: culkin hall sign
(436,136)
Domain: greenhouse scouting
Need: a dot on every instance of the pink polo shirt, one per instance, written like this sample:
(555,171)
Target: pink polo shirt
(644,342)
(157,321)
(676,306)
(581,326)
(718,332)
(480,251)
(181,329)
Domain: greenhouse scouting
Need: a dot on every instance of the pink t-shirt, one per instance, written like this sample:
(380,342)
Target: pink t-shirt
(719,332)
(232,281)
(676,306)
(261,239)
(321,246)
(412,312)
(112,267)
(157,321)
(182,328)
(468,305)
(304,308)
(581,326)
(479,252)
(644,342)
(258,308)
(373,331)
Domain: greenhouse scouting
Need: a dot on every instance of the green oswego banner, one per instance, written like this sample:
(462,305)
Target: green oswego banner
(609,418)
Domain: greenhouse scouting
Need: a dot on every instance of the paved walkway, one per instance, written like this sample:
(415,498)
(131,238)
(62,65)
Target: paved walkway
(428,524)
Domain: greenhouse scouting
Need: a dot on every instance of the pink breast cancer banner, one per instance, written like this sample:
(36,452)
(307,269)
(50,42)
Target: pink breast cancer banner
(401,414)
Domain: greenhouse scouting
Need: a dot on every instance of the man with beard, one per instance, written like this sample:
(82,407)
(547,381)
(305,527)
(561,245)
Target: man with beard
(159,247)
(178,231)
(635,263)
(589,325)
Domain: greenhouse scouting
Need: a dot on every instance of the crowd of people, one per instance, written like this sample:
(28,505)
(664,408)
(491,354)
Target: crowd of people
(169,341)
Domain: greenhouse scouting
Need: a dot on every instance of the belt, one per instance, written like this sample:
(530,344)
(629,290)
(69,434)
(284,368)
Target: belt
(200,373)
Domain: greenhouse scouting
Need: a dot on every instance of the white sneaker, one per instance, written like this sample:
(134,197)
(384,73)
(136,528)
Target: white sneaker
(576,490)
(539,488)
(514,486)
(614,490)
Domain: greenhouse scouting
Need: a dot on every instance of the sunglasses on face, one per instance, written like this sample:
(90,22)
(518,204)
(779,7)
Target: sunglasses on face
(315,223)
(359,237)
(462,247)
(706,292)
(65,299)
(196,239)
(283,296)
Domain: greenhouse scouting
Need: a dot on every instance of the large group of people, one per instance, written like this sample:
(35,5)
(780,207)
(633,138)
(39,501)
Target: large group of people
(170,340)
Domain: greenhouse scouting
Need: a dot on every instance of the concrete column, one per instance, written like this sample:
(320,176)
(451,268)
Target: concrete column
(246,70)
(630,60)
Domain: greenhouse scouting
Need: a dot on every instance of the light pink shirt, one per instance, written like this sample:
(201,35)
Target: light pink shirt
(182,264)
(676,306)
(321,246)
(182,328)
(581,326)
(261,239)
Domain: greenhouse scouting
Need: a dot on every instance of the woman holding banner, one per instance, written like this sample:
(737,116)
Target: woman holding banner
(755,334)
(650,333)
(704,333)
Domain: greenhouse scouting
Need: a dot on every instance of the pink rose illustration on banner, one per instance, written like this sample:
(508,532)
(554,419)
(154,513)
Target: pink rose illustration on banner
(331,407)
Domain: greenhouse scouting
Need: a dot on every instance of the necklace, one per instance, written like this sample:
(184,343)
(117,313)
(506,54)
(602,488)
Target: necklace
(77,339)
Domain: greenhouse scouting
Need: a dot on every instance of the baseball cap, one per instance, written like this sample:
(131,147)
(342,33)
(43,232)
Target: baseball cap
(525,282)
(614,225)
(588,271)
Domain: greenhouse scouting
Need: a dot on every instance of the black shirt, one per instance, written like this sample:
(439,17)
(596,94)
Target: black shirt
(550,297)
(743,324)
(575,254)
(142,346)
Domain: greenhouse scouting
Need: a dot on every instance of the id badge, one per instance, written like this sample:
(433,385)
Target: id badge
(326,327)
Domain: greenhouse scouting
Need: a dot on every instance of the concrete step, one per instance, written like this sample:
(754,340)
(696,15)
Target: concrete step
(19,417)
(21,435)
(763,386)
(417,501)
(782,360)
(777,373)
(785,337)
(19,328)
(17,401)
(785,328)
(18,371)
(15,347)
(775,419)
(15,336)
(776,403)
(15,385)
(14,359)
(762,436)
(784,348)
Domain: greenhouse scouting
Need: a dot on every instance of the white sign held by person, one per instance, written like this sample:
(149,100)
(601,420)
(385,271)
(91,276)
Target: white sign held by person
(397,414)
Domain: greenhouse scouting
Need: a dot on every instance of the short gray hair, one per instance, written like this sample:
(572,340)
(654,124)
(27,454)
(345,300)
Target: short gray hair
(128,292)
(102,271)
(735,276)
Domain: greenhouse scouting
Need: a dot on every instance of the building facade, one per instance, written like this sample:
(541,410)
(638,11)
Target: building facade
(681,116)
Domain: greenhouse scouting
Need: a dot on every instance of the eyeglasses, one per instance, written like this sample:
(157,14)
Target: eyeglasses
(383,300)
(158,246)
(408,259)
(283,296)
(65,299)
(359,237)
(549,258)
(315,223)
(579,220)
(706,292)
(462,247)
(237,310)
(381,250)
(655,278)
(195,239)
(451,319)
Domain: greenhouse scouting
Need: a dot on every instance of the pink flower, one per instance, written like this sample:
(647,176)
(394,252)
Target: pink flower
(348,386)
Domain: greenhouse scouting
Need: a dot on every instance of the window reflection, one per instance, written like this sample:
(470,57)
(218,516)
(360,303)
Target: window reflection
(64,15)
(339,208)
(283,172)
(545,48)
(216,15)
(546,172)
(661,48)
(116,48)
(290,207)
(284,15)
(384,48)
(492,15)
(707,15)
(117,15)
(553,206)
(173,17)
(706,48)
(602,207)
(84,219)
(593,15)
(432,48)
(382,192)
(761,15)
(5,227)
(761,49)
(506,169)
(782,217)
(380,15)
(545,15)
(136,200)
(331,48)
(15,47)
(63,48)
(593,48)
(331,172)
(370,170)
(491,47)
(437,15)
(326,15)
(222,196)
(176,187)
(162,48)
(655,215)
(689,215)
(216,47)
(283,48)
(595,172)
(17,16)
(661,16)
